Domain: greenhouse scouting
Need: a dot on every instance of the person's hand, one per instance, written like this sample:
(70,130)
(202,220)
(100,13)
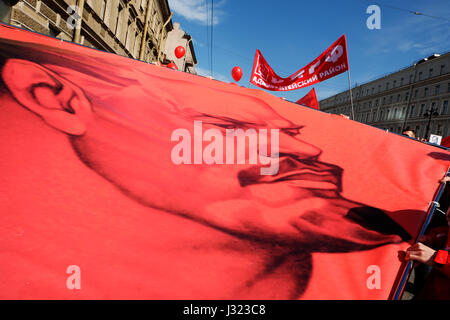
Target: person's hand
(445,180)
(344,116)
(420,253)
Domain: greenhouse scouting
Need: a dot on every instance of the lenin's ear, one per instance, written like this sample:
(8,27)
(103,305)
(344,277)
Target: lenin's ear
(59,102)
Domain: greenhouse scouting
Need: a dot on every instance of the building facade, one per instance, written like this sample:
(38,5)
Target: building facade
(111,25)
(417,96)
(177,37)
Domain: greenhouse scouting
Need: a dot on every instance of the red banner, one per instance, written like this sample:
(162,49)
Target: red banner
(121,179)
(329,64)
(310,100)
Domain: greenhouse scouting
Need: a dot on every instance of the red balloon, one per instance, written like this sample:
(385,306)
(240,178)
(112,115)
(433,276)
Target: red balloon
(172,66)
(179,52)
(236,73)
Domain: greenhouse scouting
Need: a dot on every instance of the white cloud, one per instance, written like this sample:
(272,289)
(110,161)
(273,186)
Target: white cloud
(196,10)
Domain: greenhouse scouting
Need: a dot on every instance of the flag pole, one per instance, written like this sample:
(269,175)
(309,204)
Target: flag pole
(349,81)
(351,96)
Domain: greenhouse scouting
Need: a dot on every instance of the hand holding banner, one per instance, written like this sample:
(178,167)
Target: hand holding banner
(329,64)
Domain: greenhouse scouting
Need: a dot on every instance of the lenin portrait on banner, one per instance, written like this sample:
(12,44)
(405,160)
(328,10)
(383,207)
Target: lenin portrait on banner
(87,180)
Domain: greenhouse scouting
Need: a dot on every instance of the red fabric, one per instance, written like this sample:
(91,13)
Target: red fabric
(441,257)
(330,63)
(87,180)
(446,142)
(310,100)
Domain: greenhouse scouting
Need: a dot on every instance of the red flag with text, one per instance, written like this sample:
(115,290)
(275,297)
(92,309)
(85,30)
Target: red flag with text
(310,100)
(330,63)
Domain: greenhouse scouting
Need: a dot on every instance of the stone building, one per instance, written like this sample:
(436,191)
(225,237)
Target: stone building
(111,25)
(177,37)
(405,98)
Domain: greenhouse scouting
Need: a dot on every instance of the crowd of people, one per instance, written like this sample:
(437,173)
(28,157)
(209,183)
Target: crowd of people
(409,132)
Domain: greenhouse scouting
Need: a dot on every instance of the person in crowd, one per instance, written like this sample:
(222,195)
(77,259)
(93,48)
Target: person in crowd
(409,132)
(433,251)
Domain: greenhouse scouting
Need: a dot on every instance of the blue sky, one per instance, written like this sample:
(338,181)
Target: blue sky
(291,33)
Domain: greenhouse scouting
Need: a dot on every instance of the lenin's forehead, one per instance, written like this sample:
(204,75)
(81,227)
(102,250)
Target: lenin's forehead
(148,86)
(194,100)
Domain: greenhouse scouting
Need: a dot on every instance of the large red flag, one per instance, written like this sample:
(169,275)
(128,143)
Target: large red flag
(101,196)
(330,63)
(310,100)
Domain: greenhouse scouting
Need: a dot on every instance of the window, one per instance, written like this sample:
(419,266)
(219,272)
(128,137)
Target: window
(394,116)
(387,86)
(387,114)
(415,93)
(119,22)
(430,73)
(127,35)
(390,99)
(420,75)
(411,113)
(5,11)
(406,96)
(374,116)
(53,31)
(445,107)
(411,78)
(398,98)
(422,108)
(384,100)
(403,112)
(442,69)
(393,85)
(103,10)
(379,88)
(425,92)
(438,88)
(137,40)
(381,115)
(401,81)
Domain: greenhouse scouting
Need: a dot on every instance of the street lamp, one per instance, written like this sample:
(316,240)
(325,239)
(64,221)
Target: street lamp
(432,112)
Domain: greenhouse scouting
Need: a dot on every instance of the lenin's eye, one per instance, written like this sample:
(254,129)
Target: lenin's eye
(225,125)
(229,125)
(293,131)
